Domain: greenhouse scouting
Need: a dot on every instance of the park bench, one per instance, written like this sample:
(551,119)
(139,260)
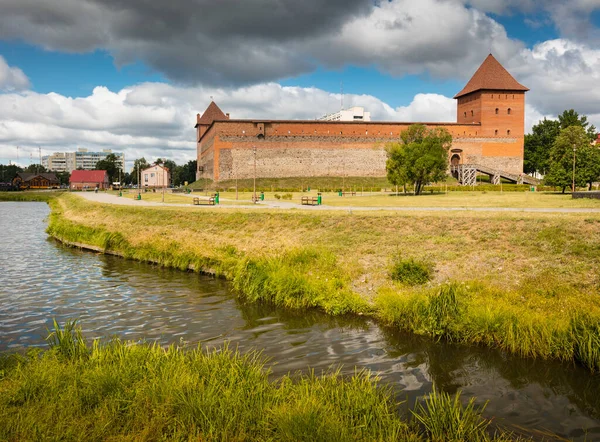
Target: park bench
(348,193)
(310,200)
(199,201)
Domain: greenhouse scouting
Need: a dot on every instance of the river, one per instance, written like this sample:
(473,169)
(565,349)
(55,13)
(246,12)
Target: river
(40,280)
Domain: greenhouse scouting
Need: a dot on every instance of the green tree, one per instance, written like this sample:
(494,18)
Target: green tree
(538,145)
(8,172)
(572,143)
(571,118)
(138,165)
(112,166)
(420,157)
(35,168)
(63,177)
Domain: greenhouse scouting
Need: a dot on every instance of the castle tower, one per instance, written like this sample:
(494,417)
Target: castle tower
(210,115)
(494,99)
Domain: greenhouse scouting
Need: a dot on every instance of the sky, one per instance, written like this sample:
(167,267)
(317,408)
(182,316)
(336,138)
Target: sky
(131,75)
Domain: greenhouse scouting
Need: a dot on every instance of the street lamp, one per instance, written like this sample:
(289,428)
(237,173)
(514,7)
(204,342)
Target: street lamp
(254,195)
(574,150)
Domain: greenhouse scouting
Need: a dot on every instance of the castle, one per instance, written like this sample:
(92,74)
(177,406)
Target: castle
(489,133)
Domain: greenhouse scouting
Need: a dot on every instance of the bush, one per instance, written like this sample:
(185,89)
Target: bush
(411,271)
(287,196)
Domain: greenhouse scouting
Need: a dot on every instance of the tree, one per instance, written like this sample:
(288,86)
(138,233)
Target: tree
(562,155)
(186,172)
(112,165)
(571,118)
(35,168)
(421,156)
(138,165)
(8,172)
(63,177)
(538,145)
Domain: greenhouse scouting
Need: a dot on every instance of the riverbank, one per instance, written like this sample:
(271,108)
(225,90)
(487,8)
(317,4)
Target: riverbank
(526,283)
(121,390)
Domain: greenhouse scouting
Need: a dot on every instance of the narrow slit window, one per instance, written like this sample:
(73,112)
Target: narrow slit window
(509,111)
(496,132)
(497,111)
(508,132)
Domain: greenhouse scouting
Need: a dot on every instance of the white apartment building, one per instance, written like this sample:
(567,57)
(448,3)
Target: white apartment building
(82,159)
(356,113)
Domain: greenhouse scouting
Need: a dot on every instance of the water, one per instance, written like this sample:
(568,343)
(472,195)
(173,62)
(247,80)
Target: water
(41,280)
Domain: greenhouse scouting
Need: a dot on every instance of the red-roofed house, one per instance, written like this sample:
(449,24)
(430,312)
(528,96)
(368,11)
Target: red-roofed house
(89,179)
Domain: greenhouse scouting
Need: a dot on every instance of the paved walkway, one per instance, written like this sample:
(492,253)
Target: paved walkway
(127,201)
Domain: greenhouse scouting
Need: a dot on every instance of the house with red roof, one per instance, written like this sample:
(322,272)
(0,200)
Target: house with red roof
(89,179)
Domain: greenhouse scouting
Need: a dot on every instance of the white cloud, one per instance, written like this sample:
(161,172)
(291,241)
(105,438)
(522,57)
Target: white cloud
(156,119)
(12,78)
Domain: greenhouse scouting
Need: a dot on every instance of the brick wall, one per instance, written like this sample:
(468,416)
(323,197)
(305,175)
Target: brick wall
(317,148)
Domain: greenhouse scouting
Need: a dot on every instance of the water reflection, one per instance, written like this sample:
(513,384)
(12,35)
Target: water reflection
(40,280)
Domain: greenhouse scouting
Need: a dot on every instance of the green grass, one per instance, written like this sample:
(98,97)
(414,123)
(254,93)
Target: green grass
(126,391)
(296,184)
(29,196)
(410,271)
(525,283)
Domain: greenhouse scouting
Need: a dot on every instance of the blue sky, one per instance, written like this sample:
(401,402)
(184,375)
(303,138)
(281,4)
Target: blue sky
(132,76)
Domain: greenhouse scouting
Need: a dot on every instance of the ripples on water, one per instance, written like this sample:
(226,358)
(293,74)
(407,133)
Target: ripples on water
(41,280)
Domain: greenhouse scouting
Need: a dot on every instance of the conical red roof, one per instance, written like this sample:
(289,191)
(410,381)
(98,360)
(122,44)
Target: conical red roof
(211,114)
(491,75)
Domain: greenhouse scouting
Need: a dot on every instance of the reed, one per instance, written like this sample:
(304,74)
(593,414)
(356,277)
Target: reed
(127,391)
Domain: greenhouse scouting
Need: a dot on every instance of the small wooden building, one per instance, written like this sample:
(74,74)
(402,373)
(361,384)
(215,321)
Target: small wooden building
(89,180)
(36,181)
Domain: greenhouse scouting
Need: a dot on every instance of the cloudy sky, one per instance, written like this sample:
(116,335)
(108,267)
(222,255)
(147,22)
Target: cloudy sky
(130,75)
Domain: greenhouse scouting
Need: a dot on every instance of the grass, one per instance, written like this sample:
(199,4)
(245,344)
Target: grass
(525,283)
(296,184)
(411,272)
(126,391)
(29,196)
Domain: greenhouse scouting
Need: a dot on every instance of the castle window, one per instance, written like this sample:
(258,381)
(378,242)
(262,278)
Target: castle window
(496,132)
(492,95)
(508,132)
(471,113)
(509,111)
(496,111)
(465,114)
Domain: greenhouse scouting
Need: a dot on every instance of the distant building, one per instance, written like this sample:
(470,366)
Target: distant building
(89,179)
(156,176)
(36,181)
(82,159)
(355,113)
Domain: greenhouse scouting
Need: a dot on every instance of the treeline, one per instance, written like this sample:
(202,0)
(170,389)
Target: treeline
(8,172)
(562,151)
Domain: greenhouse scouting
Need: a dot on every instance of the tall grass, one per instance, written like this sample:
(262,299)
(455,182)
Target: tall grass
(327,262)
(29,196)
(445,418)
(127,391)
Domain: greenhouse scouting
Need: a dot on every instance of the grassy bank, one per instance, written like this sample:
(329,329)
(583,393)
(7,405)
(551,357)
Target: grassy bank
(29,196)
(126,391)
(526,283)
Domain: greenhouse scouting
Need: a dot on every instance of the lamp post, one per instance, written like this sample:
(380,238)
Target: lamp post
(254,193)
(574,150)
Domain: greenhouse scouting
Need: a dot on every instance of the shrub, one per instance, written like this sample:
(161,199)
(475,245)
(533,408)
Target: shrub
(410,271)
(286,196)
